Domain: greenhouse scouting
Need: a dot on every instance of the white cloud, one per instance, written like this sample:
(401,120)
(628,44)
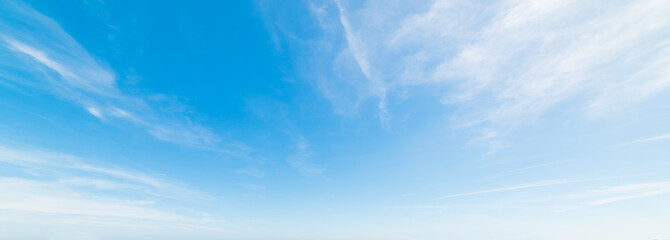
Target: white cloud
(34,45)
(41,57)
(59,164)
(95,112)
(45,197)
(61,186)
(505,62)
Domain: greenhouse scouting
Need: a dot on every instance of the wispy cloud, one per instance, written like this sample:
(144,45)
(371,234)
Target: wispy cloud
(34,45)
(580,193)
(68,168)
(45,197)
(61,185)
(254,172)
(513,188)
(376,85)
(611,194)
(501,63)
(302,156)
(300,159)
(650,139)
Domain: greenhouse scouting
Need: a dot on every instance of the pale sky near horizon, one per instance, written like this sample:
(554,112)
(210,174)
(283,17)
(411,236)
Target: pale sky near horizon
(334,119)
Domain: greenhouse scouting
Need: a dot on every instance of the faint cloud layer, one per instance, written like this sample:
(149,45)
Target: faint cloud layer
(300,159)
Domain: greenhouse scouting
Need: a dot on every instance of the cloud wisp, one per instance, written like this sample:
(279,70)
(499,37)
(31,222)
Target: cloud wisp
(589,195)
(300,159)
(501,63)
(59,186)
(513,188)
(650,139)
(611,194)
(56,63)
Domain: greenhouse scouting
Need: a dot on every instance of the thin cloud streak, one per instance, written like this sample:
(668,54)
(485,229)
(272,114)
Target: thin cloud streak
(376,85)
(60,185)
(611,194)
(45,197)
(513,188)
(651,139)
(58,164)
(41,48)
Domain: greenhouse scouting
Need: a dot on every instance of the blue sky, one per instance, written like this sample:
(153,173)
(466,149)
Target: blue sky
(334,119)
